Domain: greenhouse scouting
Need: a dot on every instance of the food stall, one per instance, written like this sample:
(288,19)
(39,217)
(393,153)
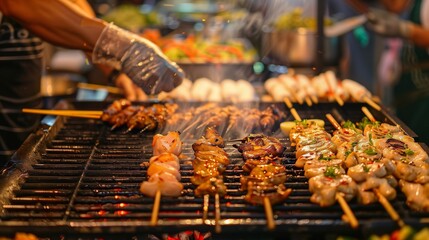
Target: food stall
(228,154)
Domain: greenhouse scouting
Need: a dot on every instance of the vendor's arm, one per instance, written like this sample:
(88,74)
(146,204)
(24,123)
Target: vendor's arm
(419,35)
(60,22)
(63,23)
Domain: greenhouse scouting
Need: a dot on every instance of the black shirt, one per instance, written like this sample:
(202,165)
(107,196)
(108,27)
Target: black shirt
(20,74)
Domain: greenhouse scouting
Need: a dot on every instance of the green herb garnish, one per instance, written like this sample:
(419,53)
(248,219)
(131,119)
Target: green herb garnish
(323,158)
(366,168)
(349,124)
(370,139)
(408,152)
(348,153)
(331,172)
(370,151)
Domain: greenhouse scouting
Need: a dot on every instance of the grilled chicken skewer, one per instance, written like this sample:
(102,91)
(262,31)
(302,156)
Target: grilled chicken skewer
(209,163)
(372,175)
(411,161)
(265,183)
(310,139)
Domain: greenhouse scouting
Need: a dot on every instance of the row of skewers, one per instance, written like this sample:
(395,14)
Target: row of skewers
(326,86)
(166,117)
(365,163)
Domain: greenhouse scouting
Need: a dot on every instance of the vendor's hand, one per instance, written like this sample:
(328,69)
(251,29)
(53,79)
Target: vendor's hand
(131,91)
(139,58)
(387,24)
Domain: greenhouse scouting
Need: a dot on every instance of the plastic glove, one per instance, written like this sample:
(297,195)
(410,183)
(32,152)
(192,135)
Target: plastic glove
(140,59)
(387,24)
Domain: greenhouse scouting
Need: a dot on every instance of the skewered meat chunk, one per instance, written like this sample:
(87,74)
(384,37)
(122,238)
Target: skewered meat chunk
(203,171)
(257,191)
(312,172)
(363,171)
(121,118)
(316,145)
(164,166)
(258,146)
(212,137)
(322,163)
(167,143)
(346,135)
(167,158)
(411,172)
(362,151)
(270,173)
(212,186)
(209,163)
(326,187)
(114,108)
(398,150)
(158,167)
(310,156)
(417,195)
(163,181)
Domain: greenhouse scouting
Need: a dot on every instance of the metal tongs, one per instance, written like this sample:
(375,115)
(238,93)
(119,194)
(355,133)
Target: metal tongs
(344,26)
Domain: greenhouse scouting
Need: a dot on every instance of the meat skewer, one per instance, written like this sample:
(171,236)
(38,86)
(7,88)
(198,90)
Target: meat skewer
(209,163)
(412,162)
(338,196)
(265,183)
(381,198)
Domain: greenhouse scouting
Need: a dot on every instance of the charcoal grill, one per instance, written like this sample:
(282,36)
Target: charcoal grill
(78,178)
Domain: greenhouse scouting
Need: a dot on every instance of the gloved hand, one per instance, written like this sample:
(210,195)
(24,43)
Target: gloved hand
(140,59)
(387,24)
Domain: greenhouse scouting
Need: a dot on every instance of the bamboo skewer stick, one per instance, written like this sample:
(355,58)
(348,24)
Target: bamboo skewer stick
(91,86)
(381,199)
(371,102)
(292,109)
(339,100)
(67,113)
(155,210)
(218,228)
(389,209)
(269,214)
(308,101)
(368,114)
(347,211)
(314,99)
(206,207)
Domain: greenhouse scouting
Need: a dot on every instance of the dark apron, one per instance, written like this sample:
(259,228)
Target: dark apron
(412,90)
(20,75)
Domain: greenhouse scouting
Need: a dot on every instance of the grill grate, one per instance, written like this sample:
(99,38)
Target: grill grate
(87,178)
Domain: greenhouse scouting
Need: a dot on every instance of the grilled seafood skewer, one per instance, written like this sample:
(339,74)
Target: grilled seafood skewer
(163,171)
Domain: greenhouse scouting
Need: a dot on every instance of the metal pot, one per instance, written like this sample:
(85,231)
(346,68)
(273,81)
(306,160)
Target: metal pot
(298,48)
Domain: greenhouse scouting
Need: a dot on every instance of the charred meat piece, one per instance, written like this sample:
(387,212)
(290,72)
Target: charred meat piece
(257,191)
(270,173)
(212,186)
(114,108)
